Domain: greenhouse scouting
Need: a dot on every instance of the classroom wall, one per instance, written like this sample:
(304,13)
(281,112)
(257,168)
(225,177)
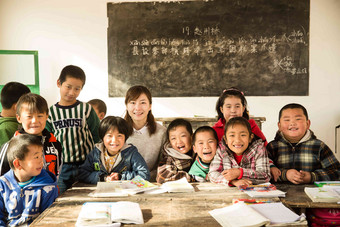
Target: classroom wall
(74,32)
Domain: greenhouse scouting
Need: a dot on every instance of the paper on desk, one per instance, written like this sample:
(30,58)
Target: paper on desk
(277,213)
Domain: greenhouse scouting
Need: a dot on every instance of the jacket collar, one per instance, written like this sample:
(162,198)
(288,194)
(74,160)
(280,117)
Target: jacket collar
(308,136)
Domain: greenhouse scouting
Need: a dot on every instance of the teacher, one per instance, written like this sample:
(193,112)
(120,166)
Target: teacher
(148,136)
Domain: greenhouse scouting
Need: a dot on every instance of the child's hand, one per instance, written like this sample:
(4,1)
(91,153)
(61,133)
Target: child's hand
(112,177)
(241,182)
(295,176)
(307,177)
(275,172)
(231,174)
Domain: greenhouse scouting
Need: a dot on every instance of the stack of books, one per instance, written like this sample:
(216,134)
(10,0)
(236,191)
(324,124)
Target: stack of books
(262,190)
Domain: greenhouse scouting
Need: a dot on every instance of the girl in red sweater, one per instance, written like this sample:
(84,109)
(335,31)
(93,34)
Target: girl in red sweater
(230,104)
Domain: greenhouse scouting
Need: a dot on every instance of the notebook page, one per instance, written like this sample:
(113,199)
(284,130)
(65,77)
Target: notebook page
(276,212)
(238,215)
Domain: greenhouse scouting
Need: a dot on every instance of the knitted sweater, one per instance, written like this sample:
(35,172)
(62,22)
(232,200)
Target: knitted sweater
(149,147)
(76,128)
(219,128)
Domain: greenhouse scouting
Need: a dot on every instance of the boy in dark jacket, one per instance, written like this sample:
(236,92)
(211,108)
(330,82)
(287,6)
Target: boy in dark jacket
(300,157)
(113,159)
(32,113)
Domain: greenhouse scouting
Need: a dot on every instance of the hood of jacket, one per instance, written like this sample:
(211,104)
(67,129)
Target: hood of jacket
(308,136)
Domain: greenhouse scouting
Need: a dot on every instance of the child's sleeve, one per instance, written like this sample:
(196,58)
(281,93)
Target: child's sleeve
(3,211)
(261,173)
(257,131)
(216,168)
(48,194)
(49,125)
(93,123)
(330,167)
(4,165)
(90,170)
(167,170)
(139,167)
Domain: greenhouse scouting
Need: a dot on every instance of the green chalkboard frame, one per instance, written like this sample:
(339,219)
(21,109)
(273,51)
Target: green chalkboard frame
(35,88)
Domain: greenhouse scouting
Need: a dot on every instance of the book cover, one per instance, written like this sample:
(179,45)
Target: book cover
(322,194)
(180,185)
(107,214)
(262,190)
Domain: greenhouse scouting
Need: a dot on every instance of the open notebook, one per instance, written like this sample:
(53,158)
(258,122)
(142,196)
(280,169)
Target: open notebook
(122,188)
(109,214)
(241,214)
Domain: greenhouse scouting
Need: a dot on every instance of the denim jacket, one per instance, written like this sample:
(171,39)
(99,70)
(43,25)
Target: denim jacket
(128,165)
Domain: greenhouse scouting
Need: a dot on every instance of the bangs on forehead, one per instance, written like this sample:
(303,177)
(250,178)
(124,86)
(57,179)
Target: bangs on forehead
(32,108)
(134,92)
(238,121)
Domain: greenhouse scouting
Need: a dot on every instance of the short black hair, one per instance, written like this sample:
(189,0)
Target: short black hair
(238,121)
(112,122)
(18,147)
(293,106)
(11,93)
(101,106)
(73,72)
(178,122)
(34,102)
(204,129)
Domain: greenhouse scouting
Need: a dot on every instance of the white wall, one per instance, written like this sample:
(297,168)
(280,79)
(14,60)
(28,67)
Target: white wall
(74,32)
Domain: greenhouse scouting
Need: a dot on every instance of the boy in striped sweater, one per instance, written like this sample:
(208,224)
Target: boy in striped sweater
(74,123)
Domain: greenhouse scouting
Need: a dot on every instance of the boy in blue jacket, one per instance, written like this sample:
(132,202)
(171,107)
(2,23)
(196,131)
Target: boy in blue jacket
(27,189)
(113,159)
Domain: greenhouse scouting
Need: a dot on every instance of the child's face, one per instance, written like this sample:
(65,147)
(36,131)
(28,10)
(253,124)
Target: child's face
(232,107)
(293,124)
(33,123)
(32,164)
(138,109)
(114,141)
(238,138)
(205,146)
(69,90)
(100,115)
(180,139)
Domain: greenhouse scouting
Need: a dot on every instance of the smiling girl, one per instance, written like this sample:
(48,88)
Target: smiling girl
(239,160)
(177,153)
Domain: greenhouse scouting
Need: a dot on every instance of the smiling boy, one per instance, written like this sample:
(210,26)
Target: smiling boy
(297,153)
(27,189)
(74,123)
(205,142)
(32,113)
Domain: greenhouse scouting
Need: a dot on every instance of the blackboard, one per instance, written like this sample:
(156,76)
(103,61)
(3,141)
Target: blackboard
(199,48)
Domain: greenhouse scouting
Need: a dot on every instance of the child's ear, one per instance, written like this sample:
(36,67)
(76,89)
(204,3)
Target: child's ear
(18,118)
(225,138)
(101,116)
(58,83)
(251,137)
(193,148)
(16,164)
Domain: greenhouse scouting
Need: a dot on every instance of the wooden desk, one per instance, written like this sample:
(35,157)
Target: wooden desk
(169,209)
